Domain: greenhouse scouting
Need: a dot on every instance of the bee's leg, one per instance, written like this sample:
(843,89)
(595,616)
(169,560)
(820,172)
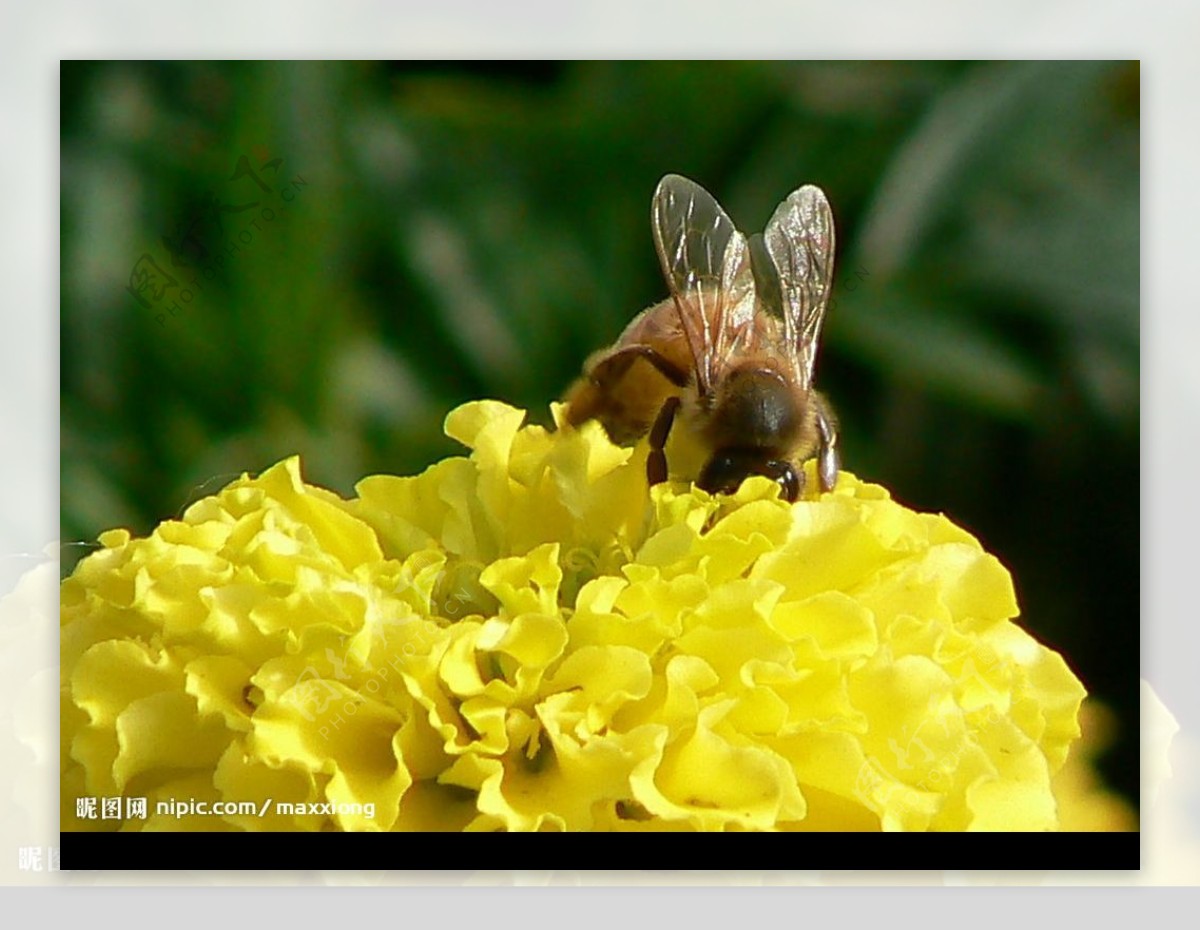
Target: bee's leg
(613,368)
(790,478)
(656,464)
(827,455)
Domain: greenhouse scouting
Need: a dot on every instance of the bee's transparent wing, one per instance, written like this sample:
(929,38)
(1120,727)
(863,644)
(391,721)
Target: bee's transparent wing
(799,240)
(705,262)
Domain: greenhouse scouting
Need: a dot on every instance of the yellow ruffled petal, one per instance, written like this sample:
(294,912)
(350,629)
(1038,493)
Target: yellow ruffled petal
(352,739)
(164,732)
(715,783)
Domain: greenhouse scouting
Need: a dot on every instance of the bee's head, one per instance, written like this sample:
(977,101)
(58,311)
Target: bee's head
(728,468)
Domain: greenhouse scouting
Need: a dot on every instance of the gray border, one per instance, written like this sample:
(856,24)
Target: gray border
(1161,34)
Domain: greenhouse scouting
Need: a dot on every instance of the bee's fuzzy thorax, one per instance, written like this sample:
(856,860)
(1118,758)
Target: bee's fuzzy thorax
(756,408)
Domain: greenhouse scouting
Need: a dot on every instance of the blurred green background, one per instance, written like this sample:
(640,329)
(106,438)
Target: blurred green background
(444,232)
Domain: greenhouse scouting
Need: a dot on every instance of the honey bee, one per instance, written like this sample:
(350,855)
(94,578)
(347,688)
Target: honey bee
(731,352)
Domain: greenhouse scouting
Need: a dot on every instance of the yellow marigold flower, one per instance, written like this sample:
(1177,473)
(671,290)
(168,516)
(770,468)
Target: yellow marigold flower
(526,639)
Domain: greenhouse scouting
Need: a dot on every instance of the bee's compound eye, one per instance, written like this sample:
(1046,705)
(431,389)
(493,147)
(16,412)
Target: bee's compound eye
(724,473)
